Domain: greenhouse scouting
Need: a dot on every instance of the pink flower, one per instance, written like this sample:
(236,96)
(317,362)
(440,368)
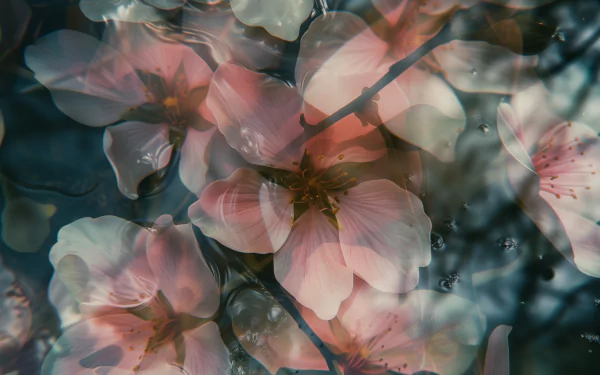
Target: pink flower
(153,89)
(314,211)
(145,297)
(553,170)
(340,55)
(376,332)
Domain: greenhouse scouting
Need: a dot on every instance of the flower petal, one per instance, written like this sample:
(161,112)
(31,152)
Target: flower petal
(25,223)
(584,239)
(90,81)
(205,353)
(311,267)
(340,56)
(281,18)
(195,154)
(245,212)
(229,40)
(180,269)
(115,341)
(258,115)
(103,262)
(66,306)
(119,10)
(482,67)
(433,118)
(422,331)
(385,235)
(135,150)
(496,356)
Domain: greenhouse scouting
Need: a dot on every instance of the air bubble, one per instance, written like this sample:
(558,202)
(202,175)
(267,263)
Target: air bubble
(484,128)
(474,71)
(450,223)
(507,244)
(437,242)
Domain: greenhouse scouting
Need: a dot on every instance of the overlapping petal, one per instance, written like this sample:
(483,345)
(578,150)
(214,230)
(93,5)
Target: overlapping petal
(245,212)
(384,235)
(281,18)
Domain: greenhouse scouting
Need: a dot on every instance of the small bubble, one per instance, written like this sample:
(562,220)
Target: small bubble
(450,223)
(507,244)
(446,284)
(437,242)
(474,71)
(597,302)
(484,128)
(447,144)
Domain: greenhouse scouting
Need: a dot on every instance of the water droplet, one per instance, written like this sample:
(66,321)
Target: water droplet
(437,242)
(454,278)
(507,244)
(275,313)
(450,223)
(474,71)
(484,128)
(446,284)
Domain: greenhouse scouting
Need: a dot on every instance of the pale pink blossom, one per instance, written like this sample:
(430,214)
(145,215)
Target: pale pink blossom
(553,168)
(309,204)
(340,55)
(153,90)
(144,301)
(423,330)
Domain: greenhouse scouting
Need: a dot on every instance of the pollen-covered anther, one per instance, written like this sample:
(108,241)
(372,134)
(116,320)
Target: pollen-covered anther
(340,157)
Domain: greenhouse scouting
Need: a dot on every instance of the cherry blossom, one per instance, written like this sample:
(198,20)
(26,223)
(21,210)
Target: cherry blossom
(340,55)
(145,299)
(376,332)
(153,90)
(281,18)
(309,204)
(553,170)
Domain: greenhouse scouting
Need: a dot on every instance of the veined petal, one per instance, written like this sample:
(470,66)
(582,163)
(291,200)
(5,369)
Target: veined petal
(384,235)
(136,150)
(258,115)
(64,303)
(103,262)
(281,18)
(496,355)
(205,353)
(180,269)
(245,212)
(311,267)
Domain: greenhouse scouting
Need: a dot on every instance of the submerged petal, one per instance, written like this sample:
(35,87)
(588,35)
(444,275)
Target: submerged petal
(384,235)
(311,267)
(205,353)
(180,269)
(136,150)
(245,212)
(119,10)
(195,155)
(258,115)
(26,224)
(281,18)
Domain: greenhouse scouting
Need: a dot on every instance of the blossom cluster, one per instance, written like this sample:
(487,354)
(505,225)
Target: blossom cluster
(317,174)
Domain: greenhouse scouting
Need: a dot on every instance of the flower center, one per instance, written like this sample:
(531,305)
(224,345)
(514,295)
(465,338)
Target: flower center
(171,101)
(563,167)
(318,187)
